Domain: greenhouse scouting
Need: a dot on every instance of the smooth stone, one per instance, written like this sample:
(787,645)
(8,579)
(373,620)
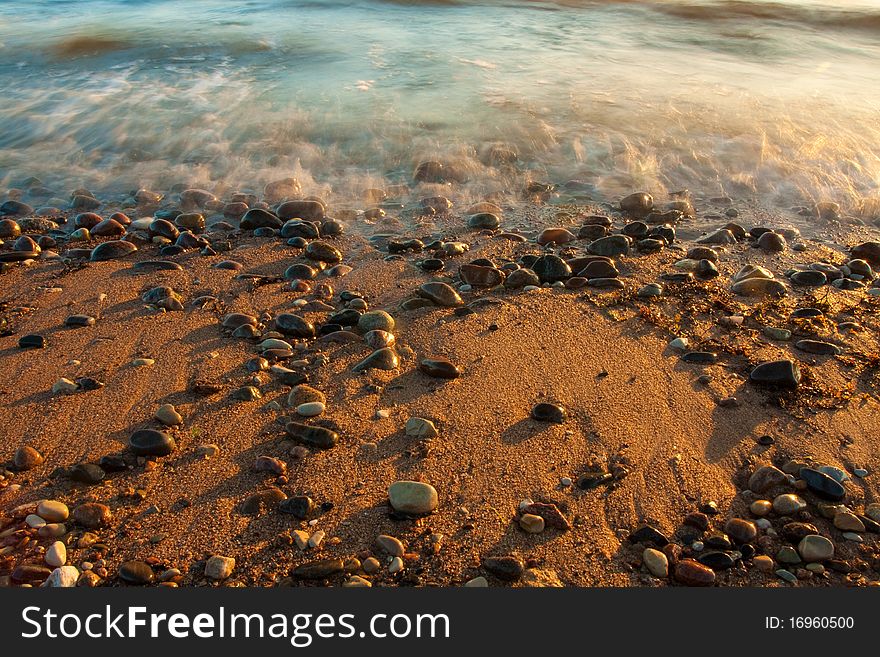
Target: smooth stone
(740,530)
(168,415)
(318,569)
(378,339)
(310,409)
(53,511)
(783,373)
(823,485)
(815,548)
(818,347)
(56,554)
(136,572)
(256,218)
(610,246)
(692,573)
(638,203)
(92,515)
(323,252)
(390,545)
(32,341)
(300,506)
(521,278)
(375,320)
(381,359)
(307,210)
(788,504)
(26,458)
(765,478)
(313,436)
(531,523)
(79,320)
(412,497)
(478,276)
(112,250)
(294,325)
(439,368)
(770,241)
(484,221)
(809,278)
(848,522)
(150,442)
(758,287)
(555,235)
(717,560)
(656,562)
(440,293)
(547,412)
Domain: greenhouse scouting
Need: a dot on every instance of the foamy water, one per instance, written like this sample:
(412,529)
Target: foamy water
(778,101)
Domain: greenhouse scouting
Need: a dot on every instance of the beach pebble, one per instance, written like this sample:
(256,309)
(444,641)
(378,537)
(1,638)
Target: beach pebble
(417,427)
(136,572)
(62,577)
(310,409)
(53,511)
(412,497)
(150,442)
(27,458)
(167,415)
(531,523)
(219,567)
(815,548)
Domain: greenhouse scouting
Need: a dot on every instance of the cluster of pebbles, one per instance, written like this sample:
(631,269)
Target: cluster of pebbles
(795,522)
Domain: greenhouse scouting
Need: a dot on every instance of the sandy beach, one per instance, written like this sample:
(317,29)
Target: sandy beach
(604,417)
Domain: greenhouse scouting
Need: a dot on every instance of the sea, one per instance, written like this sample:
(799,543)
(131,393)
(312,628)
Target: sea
(773,101)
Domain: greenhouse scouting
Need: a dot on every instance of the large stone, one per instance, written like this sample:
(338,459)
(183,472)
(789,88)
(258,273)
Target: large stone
(413,497)
(381,359)
(219,567)
(314,436)
(692,573)
(440,293)
(150,442)
(656,562)
(112,250)
(814,548)
(765,478)
(784,373)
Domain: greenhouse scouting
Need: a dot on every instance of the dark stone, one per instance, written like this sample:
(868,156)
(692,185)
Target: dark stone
(305,210)
(809,278)
(112,463)
(79,320)
(300,506)
(591,480)
(150,442)
(551,268)
(823,485)
(546,412)
(27,572)
(15,208)
(717,541)
(32,341)
(313,436)
(260,218)
(796,531)
(86,473)
(508,569)
(112,250)
(136,572)
(290,324)
(700,357)
(648,534)
(784,373)
(818,347)
(439,368)
(716,560)
(440,293)
(323,252)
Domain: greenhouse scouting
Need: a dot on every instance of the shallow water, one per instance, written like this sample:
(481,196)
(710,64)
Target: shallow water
(778,101)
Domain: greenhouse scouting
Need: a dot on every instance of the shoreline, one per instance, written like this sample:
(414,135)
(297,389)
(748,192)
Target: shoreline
(651,434)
